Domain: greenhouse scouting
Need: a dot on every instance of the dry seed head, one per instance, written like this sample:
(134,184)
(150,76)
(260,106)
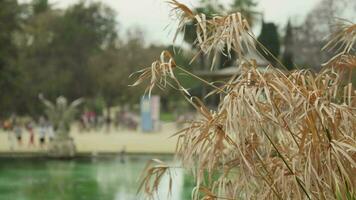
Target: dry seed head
(154,171)
(344,62)
(204,139)
(342,41)
(181,8)
(231,32)
(158,73)
(217,33)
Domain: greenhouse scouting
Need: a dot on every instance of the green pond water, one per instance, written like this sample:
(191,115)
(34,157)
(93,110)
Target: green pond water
(80,179)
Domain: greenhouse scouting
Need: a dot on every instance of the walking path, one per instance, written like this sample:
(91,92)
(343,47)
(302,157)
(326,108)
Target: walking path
(102,141)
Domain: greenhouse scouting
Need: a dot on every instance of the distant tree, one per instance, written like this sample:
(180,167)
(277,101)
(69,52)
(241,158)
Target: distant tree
(269,37)
(287,58)
(247,9)
(74,52)
(83,31)
(36,58)
(10,82)
(310,35)
(56,48)
(39,6)
(110,69)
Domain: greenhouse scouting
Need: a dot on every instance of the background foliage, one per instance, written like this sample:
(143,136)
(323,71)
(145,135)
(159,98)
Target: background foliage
(82,51)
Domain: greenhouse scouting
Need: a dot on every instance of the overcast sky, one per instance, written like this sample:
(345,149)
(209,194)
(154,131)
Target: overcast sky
(152,15)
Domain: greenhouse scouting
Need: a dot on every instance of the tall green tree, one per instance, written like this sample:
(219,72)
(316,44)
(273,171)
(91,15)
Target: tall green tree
(72,52)
(76,52)
(269,37)
(40,6)
(57,46)
(10,83)
(36,61)
(83,31)
(287,57)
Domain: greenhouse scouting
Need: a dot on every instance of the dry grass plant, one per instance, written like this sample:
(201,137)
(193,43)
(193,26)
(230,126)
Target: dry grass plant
(275,134)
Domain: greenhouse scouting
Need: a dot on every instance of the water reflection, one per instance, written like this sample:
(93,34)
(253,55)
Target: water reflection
(106,179)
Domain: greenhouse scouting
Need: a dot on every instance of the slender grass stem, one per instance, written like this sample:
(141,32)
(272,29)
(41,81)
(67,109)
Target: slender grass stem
(200,79)
(269,52)
(286,163)
(268,174)
(287,126)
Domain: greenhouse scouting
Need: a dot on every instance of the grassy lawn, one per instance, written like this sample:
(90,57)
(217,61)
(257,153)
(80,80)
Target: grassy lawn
(167,117)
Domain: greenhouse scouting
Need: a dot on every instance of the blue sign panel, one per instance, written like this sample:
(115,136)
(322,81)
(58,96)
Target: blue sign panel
(146,116)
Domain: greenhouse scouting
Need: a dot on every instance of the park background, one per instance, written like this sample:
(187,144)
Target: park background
(89,49)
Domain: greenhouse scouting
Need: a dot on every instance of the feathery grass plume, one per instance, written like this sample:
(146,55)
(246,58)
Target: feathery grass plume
(342,41)
(184,15)
(157,73)
(153,175)
(214,35)
(181,10)
(344,62)
(203,142)
(344,38)
(274,134)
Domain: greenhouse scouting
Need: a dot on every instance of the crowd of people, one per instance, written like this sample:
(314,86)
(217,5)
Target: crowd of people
(17,128)
(89,120)
(37,133)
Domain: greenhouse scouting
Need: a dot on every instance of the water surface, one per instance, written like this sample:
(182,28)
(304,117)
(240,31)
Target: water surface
(79,179)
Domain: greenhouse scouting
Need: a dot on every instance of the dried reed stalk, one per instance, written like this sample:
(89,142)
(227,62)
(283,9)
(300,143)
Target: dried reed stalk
(274,135)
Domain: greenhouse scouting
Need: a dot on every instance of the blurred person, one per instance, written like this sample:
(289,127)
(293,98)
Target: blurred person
(84,121)
(81,124)
(7,125)
(18,132)
(92,119)
(107,123)
(86,118)
(120,119)
(10,135)
(42,131)
(100,121)
(116,120)
(29,127)
(50,131)
(123,155)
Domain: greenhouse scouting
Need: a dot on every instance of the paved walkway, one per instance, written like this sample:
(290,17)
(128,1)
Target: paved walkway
(96,142)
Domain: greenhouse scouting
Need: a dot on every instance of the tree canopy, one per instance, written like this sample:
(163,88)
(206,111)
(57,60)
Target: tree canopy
(73,52)
(9,69)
